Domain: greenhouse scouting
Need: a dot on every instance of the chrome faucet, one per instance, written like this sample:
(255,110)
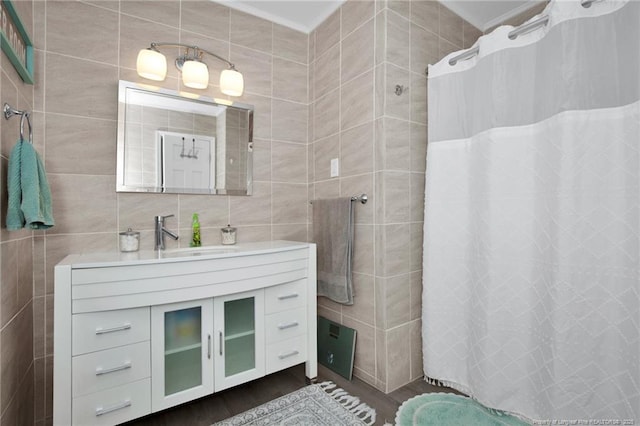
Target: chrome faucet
(161,230)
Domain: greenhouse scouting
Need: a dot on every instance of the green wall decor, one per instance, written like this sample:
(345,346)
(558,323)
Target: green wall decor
(15,41)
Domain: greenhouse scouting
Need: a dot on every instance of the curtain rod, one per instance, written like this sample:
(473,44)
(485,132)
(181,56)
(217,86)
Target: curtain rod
(526,28)
(464,55)
(587,3)
(522,29)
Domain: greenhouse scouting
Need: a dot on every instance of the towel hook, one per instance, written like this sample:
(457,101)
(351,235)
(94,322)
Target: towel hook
(10,112)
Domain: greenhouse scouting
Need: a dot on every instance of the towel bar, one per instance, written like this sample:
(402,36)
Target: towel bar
(362,198)
(10,112)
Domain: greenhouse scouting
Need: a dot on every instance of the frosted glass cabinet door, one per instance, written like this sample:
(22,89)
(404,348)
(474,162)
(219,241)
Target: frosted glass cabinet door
(182,352)
(239,338)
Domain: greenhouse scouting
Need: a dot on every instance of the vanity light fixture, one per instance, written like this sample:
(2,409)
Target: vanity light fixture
(152,64)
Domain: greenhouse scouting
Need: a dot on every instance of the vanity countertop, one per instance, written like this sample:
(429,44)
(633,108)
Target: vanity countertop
(93,260)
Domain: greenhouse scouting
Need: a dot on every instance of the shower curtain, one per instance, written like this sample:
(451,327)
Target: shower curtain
(531,299)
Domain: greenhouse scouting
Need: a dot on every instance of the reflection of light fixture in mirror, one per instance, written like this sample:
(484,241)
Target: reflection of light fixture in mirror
(152,64)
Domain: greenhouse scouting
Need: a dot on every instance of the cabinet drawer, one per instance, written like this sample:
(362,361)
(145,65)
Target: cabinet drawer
(285,296)
(112,367)
(113,406)
(286,353)
(285,325)
(102,330)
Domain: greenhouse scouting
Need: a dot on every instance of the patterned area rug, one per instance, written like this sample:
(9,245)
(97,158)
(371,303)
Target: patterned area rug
(316,405)
(447,409)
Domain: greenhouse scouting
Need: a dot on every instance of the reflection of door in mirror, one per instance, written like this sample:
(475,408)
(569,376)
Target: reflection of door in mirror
(145,159)
(186,160)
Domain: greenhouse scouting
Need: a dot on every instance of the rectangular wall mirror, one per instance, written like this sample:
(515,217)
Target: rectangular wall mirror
(172,143)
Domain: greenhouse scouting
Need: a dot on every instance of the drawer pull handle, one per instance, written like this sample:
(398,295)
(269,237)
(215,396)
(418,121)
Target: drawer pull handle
(102,411)
(285,326)
(288,296)
(114,329)
(220,341)
(100,371)
(208,346)
(287,355)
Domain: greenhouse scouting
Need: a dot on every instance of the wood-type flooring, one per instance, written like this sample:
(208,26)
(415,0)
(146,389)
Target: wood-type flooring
(227,403)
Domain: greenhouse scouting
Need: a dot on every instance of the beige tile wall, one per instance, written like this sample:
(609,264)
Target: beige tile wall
(357,57)
(76,111)
(18,305)
(342,56)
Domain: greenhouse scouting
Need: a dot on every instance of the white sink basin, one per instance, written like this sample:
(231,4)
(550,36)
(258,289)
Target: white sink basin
(197,251)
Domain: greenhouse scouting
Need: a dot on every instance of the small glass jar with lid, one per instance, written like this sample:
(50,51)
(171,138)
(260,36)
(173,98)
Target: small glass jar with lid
(129,240)
(228,235)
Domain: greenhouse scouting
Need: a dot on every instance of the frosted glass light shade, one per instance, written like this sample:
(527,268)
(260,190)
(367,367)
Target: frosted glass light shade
(151,64)
(231,83)
(195,74)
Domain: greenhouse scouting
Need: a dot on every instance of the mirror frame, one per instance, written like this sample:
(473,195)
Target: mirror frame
(122,106)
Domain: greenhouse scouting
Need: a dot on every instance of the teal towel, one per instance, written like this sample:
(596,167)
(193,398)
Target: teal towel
(29,194)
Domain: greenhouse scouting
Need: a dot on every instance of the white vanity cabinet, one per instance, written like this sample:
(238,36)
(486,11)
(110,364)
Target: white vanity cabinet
(238,338)
(136,333)
(110,377)
(285,325)
(181,354)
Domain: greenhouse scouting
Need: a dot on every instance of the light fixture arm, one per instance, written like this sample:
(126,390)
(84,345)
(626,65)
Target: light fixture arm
(198,51)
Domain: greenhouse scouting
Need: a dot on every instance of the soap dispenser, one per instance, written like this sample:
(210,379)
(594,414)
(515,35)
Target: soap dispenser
(195,228)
